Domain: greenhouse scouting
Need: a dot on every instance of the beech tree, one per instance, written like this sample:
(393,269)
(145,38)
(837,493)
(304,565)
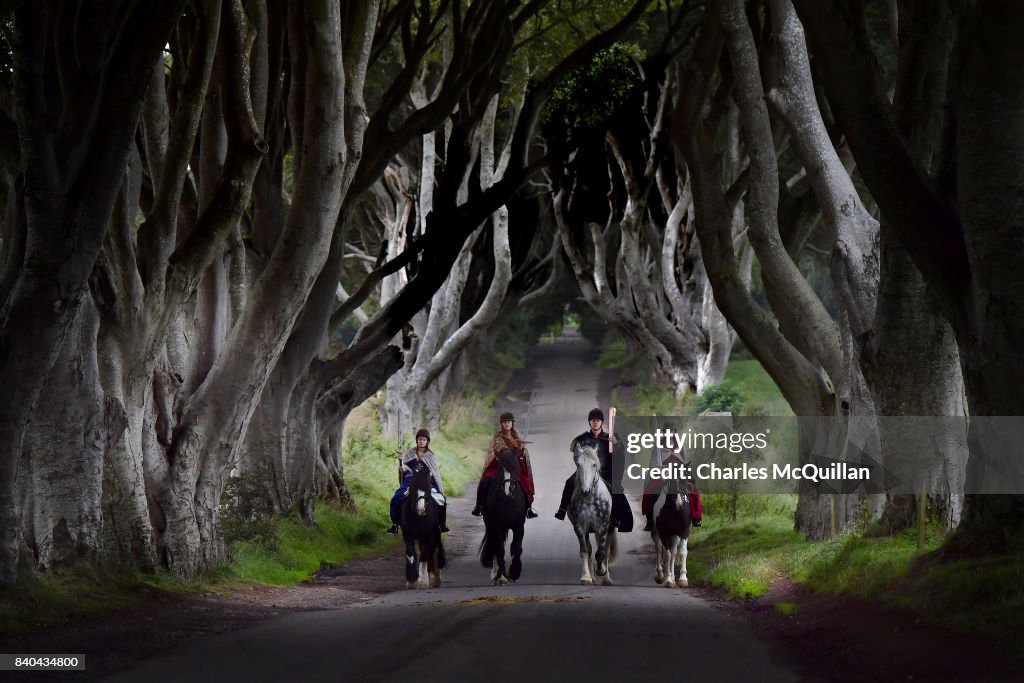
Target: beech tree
(207,210)
(958,226)
(70,112)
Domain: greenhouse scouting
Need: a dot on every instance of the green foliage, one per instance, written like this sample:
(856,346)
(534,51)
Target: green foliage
(724,397)
(585,103)
(247,510)
(762,396)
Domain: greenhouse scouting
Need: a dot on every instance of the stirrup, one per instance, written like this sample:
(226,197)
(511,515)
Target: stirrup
(393,529)
(477,511)
(531,513)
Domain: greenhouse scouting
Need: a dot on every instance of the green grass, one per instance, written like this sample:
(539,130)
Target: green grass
(759,389)
(36,602)
(744,558)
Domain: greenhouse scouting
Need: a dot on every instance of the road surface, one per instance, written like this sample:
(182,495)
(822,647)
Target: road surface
(546,627)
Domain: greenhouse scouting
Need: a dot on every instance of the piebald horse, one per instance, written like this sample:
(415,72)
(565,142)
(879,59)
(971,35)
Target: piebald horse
(420,519)
(590,513)
(670,534)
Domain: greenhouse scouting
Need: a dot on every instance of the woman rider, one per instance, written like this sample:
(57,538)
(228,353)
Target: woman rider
(506,439)
(416,457)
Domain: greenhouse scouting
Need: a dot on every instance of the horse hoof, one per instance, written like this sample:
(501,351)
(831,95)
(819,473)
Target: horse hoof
(682,583)
(669,583)
(435,583)
(586,582)
(410,584)
(605,581)
(502,581)
(659,578)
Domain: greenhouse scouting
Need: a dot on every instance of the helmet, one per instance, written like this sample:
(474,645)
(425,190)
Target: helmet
(425,433)
(506,416)
(595,414)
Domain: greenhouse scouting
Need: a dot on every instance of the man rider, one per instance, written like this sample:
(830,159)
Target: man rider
(622,515)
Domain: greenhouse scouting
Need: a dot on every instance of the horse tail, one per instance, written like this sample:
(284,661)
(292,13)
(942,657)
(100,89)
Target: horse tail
(613,546)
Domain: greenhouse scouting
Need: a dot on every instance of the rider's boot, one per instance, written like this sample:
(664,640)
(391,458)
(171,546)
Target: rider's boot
(444,519)
(531,513)
(651,499)
(393,529)
(566,498)
(479,509)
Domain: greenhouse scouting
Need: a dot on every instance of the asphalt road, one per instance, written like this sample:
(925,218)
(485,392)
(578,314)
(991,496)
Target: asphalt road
(545,627)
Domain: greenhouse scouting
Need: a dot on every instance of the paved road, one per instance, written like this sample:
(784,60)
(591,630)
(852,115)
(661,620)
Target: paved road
(546,627)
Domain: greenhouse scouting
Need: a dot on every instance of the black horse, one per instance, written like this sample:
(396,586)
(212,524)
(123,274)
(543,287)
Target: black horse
(504,511)
(420,525)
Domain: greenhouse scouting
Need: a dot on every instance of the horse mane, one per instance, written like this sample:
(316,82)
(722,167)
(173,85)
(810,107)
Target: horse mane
(509,459)
(588,451)
(421,478)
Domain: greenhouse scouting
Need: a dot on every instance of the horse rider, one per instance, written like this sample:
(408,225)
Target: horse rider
(418,456)
(596,437)
(652,491)
(506,439)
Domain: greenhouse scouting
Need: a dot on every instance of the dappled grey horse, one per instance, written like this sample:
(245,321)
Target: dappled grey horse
(590,513)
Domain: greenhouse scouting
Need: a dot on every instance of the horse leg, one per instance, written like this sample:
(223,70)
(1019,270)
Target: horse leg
(423,573)
(606,580)
(681,553)
(659,553)
(499,556)
(670,562)
(434,563)
(516,549)
(410,562)
(601,557)
(667,554)
(584,540)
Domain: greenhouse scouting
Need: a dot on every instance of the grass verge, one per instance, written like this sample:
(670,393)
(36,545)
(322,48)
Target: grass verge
(744,558)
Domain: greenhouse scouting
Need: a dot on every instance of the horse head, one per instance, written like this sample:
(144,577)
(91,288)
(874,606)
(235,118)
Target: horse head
(421,486)
(675,492)
(588,467)
(509,463)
